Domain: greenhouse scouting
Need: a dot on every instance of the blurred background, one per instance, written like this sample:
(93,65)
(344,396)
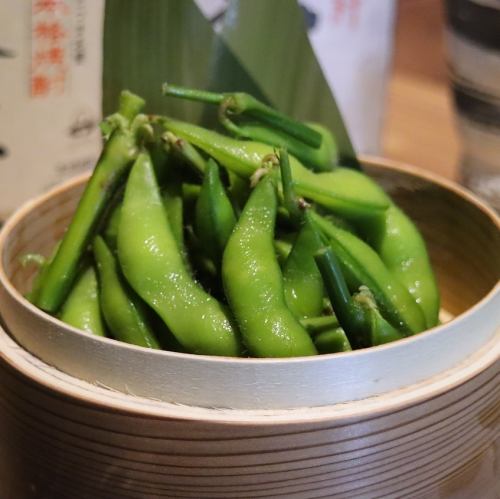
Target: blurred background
(419,124)
(386,61)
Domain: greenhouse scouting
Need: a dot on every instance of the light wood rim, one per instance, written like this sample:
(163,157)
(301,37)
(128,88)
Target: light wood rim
(467,410)
(371,408)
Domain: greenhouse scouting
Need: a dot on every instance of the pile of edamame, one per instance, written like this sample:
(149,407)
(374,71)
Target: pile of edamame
(253,242)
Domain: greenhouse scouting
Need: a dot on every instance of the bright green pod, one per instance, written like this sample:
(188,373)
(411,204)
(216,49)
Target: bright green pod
(327,156)
(124,313)
(253,282)
(304,290)
(323,158)
(332,341)
(315,325)
(214,216)
(155,268)
(363,266)
(345,191)
(402,248)
(81,309)
(174,208)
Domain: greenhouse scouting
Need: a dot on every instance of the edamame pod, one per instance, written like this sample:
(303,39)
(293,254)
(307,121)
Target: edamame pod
(253,281)
(81,309)
(402,249)
(174,207)
(315,325)
(214,217)
(322,158)
(303,285)
(362,266)
(332,341)
(123,312)
(154,267)
(345,191)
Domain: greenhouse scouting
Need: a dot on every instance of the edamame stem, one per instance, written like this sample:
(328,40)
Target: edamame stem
(239,103)
(377,328)
(349,313)
(185,152)
(117,156)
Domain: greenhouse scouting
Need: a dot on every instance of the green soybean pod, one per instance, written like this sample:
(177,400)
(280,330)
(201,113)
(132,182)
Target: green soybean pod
(322,158)
(214,216)
(363,266)
(332,341)
(401,247)
(81,309)
(345,191)
(123,311)
(154,267)
(253,282)
(304,290)
(174,207)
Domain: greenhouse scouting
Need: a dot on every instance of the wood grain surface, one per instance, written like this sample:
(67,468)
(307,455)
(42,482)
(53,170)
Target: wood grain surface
(419,124)
(61,443)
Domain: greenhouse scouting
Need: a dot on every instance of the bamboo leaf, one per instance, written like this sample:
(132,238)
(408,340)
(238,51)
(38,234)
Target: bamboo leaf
(149,42)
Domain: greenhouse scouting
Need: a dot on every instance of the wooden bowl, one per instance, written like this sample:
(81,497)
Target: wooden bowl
(416,418)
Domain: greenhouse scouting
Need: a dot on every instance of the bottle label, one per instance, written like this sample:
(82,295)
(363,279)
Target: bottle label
(50,88)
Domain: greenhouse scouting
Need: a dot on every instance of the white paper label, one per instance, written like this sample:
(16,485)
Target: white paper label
(353,42)
(50,94)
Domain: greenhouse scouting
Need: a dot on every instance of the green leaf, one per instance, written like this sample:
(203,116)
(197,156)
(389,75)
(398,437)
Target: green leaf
(148,43)
(155,41)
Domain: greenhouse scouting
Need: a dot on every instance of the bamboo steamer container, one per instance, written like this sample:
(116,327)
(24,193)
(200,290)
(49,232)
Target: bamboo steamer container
(86,417)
